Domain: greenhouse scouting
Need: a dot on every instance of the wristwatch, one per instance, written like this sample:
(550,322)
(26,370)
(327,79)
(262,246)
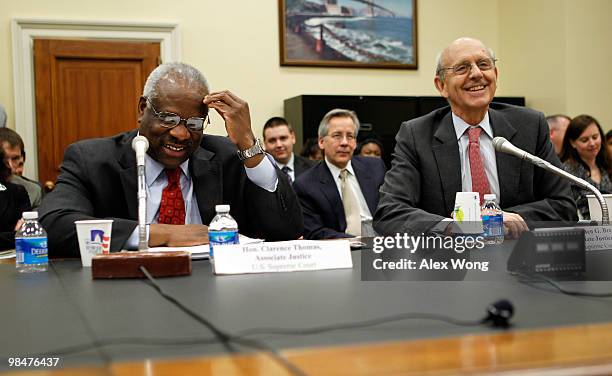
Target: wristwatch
(252,151)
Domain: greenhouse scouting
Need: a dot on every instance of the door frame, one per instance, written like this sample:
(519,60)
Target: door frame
(25,30)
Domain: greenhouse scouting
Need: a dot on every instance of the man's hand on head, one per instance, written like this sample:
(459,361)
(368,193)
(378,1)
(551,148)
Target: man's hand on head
(177,235)
(235,113)
(514,225)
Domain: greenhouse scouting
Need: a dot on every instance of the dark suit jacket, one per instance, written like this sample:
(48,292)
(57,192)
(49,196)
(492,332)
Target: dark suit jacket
(321,203)
(14,200)
(301,164)
(425,174)
(98,180)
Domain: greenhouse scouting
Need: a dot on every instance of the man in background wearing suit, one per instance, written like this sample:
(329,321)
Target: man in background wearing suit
(340,192)
(279,138)
(13,146)
(450,150)
(187,173)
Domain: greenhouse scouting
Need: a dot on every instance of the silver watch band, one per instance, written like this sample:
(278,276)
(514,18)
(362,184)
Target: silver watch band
(252,151)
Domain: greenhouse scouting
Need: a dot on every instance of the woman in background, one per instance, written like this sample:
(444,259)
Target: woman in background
(370,147)
(584,155)
(14,200)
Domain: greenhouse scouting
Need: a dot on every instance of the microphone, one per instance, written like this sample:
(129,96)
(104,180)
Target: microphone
(140,144)
(499,314)
(504,146)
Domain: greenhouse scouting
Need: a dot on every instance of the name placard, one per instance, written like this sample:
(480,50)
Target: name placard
(598,238)
(289,256)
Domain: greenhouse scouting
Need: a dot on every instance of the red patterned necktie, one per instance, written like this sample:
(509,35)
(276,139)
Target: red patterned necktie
(480,183)
(172,207)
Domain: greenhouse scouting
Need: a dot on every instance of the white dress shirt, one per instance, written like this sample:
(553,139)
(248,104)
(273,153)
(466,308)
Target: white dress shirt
(364,211)
(264,175)
(290,165)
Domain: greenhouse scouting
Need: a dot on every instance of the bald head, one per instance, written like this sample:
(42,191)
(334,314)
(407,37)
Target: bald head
(456,46)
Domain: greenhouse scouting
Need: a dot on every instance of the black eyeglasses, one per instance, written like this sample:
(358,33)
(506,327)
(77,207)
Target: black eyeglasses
(171,120)
(466,67)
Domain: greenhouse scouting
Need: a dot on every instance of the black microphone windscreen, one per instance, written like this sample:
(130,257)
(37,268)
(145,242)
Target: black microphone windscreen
(499,313)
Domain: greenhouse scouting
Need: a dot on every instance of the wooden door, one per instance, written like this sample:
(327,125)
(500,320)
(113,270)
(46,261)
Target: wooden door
(86,89)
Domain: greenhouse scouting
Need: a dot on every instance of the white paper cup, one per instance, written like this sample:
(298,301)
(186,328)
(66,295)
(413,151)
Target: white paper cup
(94,238)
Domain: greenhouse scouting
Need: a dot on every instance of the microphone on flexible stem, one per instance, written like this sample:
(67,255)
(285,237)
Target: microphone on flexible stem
(505,146)
(140,144)
(499,314)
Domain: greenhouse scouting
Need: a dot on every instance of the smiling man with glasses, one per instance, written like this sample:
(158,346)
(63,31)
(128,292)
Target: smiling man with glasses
(187,173)
(450,150)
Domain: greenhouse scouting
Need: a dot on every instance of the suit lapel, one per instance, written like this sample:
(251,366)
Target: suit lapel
(365,183)
(446,153)
(330,191)
(207,182)
(128,177)
(508,167)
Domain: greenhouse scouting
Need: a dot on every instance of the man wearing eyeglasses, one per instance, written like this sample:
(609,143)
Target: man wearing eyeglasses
(450,150)
(187,173)
(340,192)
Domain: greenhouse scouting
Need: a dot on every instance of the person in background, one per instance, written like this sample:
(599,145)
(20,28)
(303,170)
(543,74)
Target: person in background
(585,157)
(311,150)
(279,138)
(188,173)
(14,153)
(341,192)
(370,147)
(14,201)
(609,145)
(557,124)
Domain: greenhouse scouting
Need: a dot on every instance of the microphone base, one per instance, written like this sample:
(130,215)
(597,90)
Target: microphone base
(127,264)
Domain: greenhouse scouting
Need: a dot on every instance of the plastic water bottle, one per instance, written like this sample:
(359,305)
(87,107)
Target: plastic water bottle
(492,220)
(222,230)
(31,245)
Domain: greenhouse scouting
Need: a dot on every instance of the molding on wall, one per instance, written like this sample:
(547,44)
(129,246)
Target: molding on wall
(25,30)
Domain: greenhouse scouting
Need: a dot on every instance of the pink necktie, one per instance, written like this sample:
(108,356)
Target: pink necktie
(172,207)
(480,183)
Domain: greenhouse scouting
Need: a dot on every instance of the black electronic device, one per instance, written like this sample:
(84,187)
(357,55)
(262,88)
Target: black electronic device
(549,251)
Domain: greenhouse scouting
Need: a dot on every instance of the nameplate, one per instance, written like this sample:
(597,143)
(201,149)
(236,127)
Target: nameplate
(276,257)
(598,238)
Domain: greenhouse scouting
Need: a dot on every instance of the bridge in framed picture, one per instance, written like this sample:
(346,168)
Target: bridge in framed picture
(348,33)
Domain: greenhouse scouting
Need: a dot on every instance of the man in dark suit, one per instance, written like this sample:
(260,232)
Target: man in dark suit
(450,150)
(340,192)
(279,138)
(195,171)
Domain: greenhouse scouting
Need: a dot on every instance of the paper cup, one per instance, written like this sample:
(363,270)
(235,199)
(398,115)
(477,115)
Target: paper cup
(94,238)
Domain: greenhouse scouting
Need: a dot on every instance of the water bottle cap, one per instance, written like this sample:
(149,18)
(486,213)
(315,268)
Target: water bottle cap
(490,196)
(222,208)
(30,215)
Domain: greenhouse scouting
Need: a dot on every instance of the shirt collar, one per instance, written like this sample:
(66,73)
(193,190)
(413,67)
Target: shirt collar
(335,170)
(154,169)
(289,164)
(461,126)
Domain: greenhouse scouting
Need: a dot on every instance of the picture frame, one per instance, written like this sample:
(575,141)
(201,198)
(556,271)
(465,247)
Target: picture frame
(348,33)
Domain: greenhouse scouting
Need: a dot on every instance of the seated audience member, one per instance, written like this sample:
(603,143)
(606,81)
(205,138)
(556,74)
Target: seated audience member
(370,147)
(340,192)
(450,150)
(13,202)
(185,168)
(13,147)
(609,145)
(311,150)
(585,157)
(557,124)
(279,139)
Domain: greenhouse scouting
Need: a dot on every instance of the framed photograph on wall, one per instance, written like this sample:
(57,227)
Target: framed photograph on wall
(348,33)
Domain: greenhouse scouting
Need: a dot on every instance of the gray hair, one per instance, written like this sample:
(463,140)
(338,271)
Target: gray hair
(337,112)
(2,117)
(440,72)
(193,77)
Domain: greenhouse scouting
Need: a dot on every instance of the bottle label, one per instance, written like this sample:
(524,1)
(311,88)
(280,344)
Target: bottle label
(493,225)
(222,237)
(31,250)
